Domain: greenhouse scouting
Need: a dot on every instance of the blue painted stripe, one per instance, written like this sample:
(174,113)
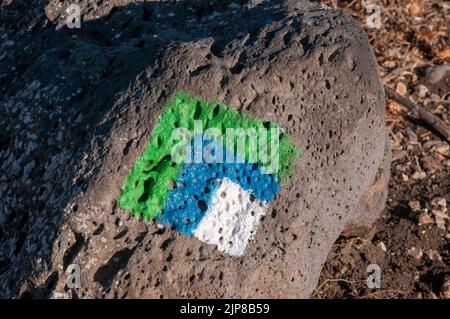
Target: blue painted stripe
(188,202)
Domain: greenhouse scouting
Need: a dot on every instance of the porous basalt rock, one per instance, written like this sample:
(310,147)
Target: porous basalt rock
(78,107)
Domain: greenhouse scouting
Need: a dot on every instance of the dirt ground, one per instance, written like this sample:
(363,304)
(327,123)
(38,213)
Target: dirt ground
(411,240)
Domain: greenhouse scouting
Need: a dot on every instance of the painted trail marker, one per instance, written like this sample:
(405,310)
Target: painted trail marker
(209,172)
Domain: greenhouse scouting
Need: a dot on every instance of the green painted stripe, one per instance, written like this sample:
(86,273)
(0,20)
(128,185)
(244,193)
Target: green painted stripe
(148,184)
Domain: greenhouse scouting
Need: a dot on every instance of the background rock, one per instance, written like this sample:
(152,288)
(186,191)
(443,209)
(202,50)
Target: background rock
(78,109)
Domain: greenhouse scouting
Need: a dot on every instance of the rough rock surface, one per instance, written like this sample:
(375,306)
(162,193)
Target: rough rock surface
(78,106)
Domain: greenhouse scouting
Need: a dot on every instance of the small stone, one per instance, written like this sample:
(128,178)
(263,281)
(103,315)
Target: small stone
(434,255)
(422,91)
(401,88)
(415,253)
(390,64)
(413,8)
(424,219)
(414,205)
(439,201)
(419,175)
(103,240)
(440,216)
(382,246)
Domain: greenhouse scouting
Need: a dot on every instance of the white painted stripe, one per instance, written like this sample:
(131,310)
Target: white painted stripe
(231,220)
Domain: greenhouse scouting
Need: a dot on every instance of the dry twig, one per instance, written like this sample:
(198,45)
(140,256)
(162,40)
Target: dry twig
(439,125)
